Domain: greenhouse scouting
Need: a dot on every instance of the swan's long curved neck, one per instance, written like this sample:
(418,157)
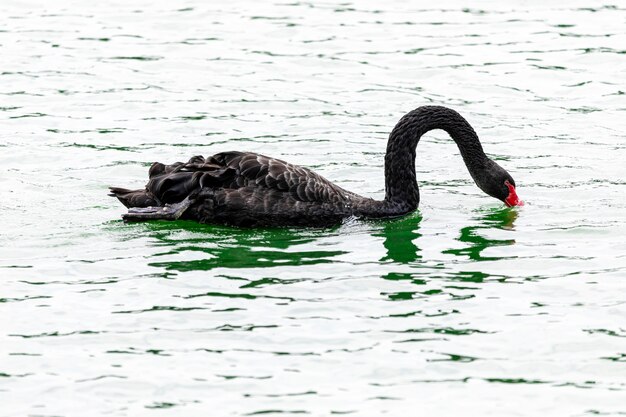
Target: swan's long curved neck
(401,189)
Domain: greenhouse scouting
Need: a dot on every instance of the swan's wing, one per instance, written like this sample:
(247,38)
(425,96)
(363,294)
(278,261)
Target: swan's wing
(234,170)
(256,206)
(173,183)
(252,169)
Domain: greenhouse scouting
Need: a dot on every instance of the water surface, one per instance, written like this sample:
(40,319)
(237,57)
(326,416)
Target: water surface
(464,308)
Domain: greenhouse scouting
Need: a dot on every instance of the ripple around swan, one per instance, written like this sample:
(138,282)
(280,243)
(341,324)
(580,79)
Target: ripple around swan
(511,312)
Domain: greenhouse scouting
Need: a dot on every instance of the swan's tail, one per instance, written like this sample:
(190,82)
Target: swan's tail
(172,189)
(166,212)
(134,198)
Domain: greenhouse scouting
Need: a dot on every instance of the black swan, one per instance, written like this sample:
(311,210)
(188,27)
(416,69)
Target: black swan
(247,189)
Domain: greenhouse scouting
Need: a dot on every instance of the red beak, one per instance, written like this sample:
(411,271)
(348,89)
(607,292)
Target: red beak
(512,200)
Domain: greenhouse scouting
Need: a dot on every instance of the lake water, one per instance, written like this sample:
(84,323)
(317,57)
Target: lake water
(464,308)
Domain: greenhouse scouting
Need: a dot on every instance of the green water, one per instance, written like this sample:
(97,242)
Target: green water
(464,308)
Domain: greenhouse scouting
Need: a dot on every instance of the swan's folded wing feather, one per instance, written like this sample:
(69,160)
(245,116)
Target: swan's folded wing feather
(234,170)
(301,183)
(255,206)
(172,183)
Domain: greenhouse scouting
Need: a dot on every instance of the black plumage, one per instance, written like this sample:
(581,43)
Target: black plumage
(248,189)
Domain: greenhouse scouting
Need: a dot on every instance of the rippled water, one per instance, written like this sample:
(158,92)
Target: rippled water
(465,308)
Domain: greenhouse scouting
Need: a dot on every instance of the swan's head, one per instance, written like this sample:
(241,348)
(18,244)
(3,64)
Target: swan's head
(512,199)
(498,183)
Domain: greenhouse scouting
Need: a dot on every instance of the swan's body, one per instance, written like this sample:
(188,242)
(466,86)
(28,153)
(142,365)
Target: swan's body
(247,189)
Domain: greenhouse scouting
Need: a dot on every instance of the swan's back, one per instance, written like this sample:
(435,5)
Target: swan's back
(234,170)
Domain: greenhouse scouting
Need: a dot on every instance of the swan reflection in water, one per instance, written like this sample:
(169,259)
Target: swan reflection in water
(502,219)
(400,238)
(228,247)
